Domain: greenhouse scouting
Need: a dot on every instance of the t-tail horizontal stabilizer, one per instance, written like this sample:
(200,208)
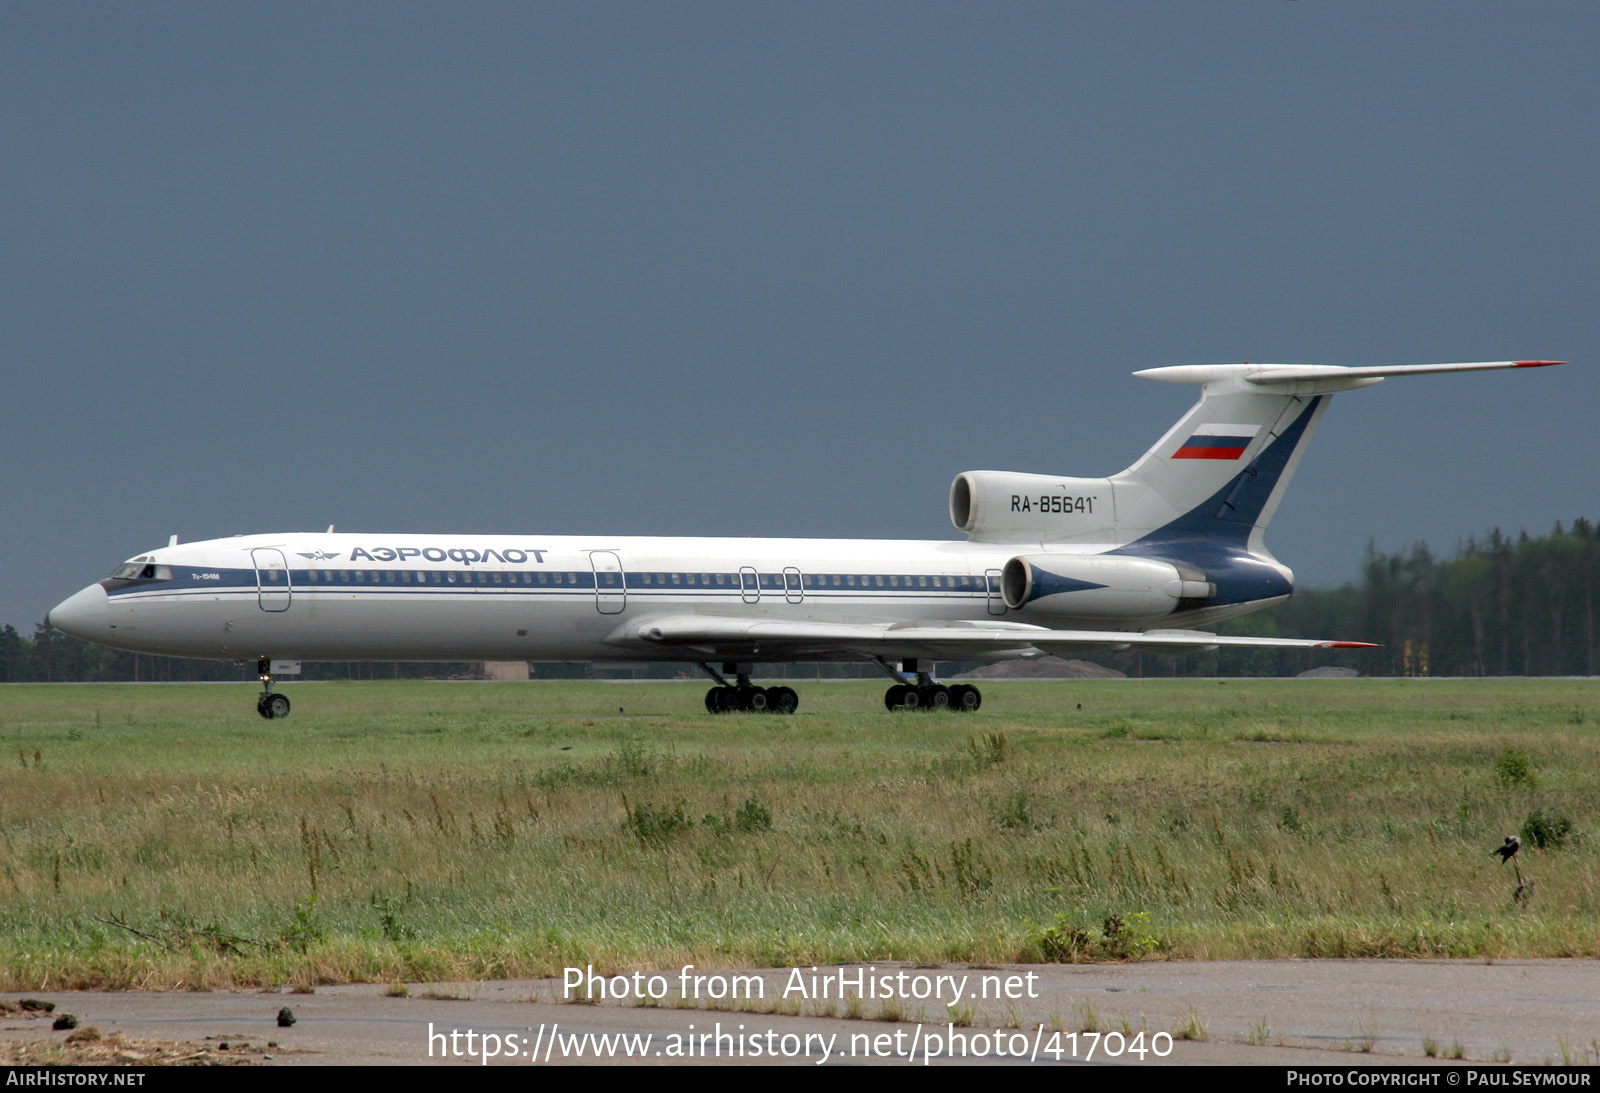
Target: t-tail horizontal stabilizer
(1218,475)
(1322,378)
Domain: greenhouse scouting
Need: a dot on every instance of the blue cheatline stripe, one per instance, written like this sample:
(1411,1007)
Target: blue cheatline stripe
(727,595)
(567,583)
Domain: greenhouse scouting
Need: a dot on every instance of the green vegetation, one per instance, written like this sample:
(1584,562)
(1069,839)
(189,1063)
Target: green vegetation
(1546,830)
(167,837)
(1525,606)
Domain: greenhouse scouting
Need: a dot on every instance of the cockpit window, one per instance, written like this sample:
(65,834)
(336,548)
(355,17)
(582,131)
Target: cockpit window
(137,567)
(136,571)
(140,569)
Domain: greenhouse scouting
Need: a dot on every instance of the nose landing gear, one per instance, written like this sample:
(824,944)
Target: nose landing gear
(269,704)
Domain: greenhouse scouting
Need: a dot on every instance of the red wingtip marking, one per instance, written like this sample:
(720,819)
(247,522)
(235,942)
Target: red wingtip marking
(1537,364)
(1347,645)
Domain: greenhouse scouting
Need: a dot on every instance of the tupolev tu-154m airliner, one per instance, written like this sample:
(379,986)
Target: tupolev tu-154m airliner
(1049,565)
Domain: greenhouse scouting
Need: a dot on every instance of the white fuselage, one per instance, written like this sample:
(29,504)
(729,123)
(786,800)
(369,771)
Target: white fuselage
(519,597)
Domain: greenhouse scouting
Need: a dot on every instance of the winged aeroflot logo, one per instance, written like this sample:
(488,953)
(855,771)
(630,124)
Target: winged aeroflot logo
(319,556)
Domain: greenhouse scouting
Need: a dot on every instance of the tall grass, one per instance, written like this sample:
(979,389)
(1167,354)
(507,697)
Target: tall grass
(167,837)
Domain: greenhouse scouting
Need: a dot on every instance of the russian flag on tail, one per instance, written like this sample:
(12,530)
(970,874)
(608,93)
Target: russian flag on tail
(1217,442)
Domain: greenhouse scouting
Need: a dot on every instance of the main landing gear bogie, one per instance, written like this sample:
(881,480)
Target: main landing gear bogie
(745,698)
(926,693)
(961,697)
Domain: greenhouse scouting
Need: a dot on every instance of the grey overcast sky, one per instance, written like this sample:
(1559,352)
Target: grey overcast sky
(774,268)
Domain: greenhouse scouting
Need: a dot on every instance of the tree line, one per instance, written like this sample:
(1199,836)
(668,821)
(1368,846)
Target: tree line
(1500,607)
(1503,606)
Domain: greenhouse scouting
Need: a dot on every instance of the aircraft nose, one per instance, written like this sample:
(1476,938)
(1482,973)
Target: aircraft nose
(84,614)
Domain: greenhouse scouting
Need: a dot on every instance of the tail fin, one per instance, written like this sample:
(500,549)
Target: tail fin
(1220,472)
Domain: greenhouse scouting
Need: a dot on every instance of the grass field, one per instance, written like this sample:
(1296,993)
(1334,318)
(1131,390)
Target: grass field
(164,836)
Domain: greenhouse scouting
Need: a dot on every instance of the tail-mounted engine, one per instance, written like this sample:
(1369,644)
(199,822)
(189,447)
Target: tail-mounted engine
(1008,506)
(1100,586)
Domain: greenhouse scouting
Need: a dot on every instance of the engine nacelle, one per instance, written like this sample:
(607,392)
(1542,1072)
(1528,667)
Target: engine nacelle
(1011,506)
(1091,586)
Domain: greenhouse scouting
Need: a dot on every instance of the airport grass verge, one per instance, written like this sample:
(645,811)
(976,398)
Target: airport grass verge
(165,837)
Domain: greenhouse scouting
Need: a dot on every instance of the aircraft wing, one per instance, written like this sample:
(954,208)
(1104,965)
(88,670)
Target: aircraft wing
(719,637)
